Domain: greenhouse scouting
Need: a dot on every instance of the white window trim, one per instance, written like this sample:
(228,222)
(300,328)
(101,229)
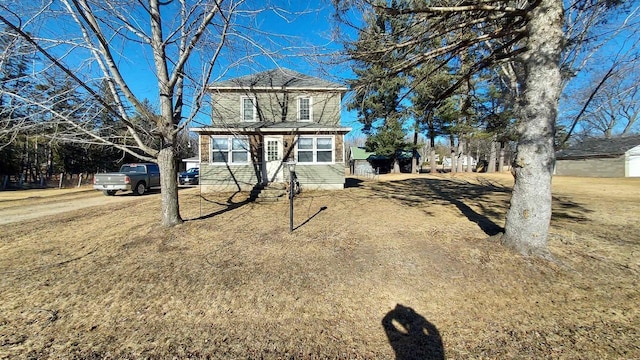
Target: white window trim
(229,139)
(310,108)
(315,150)
(255,108)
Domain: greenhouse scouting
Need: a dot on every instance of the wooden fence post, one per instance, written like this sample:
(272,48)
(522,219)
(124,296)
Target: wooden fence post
(60,182)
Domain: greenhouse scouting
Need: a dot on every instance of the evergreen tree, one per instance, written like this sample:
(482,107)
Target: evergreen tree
(15,57)
(379,103)
(427,107)
(531,32)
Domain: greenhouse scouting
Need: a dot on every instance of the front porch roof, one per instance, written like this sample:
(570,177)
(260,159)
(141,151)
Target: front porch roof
(273,127)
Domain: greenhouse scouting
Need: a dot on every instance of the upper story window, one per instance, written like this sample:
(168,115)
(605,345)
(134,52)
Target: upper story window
(315,149)
(248,109)
(304,108)
(229,150)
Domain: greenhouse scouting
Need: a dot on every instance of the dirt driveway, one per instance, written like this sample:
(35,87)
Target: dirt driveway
(23,205)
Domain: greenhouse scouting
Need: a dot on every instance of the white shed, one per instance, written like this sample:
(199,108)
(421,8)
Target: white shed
(633,162)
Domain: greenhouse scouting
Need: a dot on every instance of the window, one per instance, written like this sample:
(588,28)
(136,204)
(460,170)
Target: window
(304,109)
(272,150)
(133,168)
(153,169)
(248,109)
(229,150)
(315,149)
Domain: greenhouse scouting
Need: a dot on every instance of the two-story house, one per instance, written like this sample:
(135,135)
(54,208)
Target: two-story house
(262,121)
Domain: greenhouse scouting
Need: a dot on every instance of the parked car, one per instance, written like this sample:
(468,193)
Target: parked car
(135,177)
(191,176)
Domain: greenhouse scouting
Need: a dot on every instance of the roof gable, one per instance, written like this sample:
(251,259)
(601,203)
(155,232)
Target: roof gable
(600,147)
(277,79)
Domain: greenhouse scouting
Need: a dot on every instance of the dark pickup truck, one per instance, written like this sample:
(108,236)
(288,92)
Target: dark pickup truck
(136,177)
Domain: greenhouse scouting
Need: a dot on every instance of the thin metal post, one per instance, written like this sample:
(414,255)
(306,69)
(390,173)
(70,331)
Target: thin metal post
(291,202)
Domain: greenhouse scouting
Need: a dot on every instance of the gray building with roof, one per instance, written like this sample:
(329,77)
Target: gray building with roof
(598,157)
(260,122)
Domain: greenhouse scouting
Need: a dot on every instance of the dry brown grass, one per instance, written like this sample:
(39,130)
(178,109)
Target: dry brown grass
(232,282)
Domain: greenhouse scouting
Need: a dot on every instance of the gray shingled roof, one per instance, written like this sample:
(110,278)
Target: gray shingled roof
(597,147)
(277,78)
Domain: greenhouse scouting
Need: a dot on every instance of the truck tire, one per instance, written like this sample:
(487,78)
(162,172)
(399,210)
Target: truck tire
(140,188)
(109,192)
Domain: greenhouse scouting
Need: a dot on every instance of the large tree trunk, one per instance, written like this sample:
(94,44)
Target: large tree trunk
(169,186)
(432,155)
(501,157)
(454,162)
(469,157)
(491,167)
(529,216)
(414,157)
(396,166)
(459,154)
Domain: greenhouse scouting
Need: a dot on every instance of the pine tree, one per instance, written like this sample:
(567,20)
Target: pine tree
(15,57)
(378,99)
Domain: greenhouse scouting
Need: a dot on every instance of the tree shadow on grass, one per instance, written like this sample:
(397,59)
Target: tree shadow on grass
(480,201)
(229,205)
(489,198)
(477,192)
(411,336)
(351,182)
(564,208)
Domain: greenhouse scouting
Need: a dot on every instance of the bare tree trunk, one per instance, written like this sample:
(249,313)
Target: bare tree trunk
(454,161)
(169,186)
(433,165)
(529,216)
(629,127)
(491,167)
(477,156)
(459,153)
(469,157)
(501,158)
(432,155)
(414,157)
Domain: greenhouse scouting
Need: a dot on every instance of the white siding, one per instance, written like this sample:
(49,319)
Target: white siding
(633,162)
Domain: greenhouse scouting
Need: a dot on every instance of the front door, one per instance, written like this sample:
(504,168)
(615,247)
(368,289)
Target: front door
(273,158)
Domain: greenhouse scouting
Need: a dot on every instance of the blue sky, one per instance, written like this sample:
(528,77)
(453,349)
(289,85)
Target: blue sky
(305,29)
(303,43)
(295,34)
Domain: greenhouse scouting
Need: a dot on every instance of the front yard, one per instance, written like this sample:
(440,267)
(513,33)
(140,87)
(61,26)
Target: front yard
(398,267)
